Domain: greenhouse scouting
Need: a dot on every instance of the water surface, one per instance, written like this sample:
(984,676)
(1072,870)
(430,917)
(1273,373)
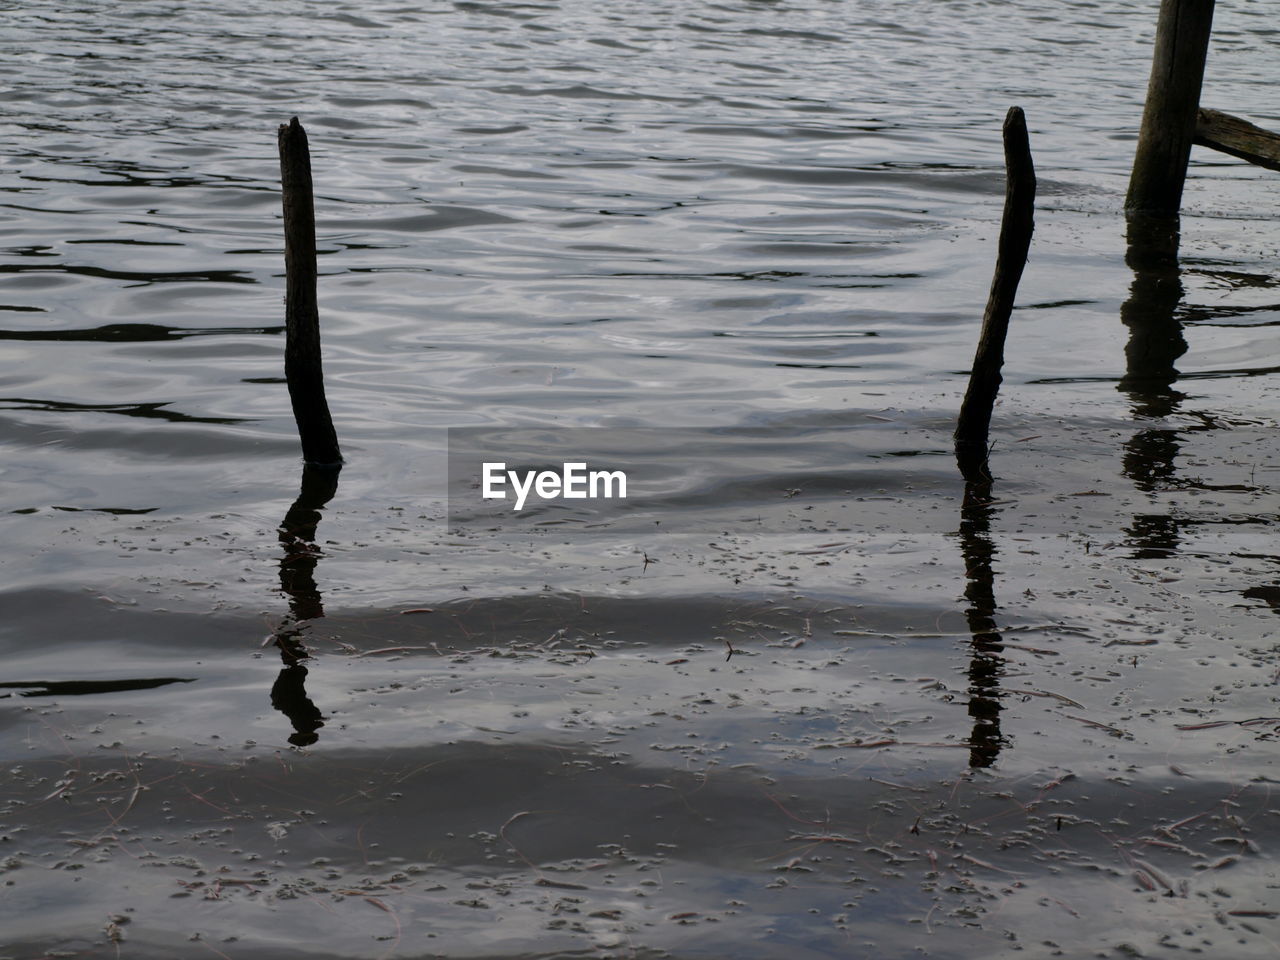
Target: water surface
(1042,726)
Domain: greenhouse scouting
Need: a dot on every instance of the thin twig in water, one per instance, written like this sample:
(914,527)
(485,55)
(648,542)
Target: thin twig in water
(823,838)
(394,918)
(986,866)
(1114,731)
(900,786)
(502,832)
(1227,723)
(364,854)
(214,949)
(791,816)
(370,653)
(1046,693)
(207,802)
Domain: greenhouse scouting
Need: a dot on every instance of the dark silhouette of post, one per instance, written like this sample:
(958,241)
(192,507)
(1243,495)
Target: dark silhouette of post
(1173,98)
(298,583)
(302,366)
(298,537)
(1016,227)
(986,656)
(1150,313)
(1150,380)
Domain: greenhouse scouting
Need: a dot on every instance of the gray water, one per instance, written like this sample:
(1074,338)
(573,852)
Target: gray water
(1043,727)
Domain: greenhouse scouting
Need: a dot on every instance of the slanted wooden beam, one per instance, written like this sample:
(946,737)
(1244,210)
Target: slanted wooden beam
(1240,138)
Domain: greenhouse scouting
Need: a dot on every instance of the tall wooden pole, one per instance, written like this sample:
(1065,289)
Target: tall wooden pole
(1015,240)
(302,366)
(1173,96)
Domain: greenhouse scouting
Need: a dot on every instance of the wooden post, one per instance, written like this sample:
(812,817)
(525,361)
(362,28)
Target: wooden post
(302,366)
(1169,119)
(1015,240)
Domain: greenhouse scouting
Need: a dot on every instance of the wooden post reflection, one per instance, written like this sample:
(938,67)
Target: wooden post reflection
(298,583)
(986,660)
(1155,342)
(1155,345)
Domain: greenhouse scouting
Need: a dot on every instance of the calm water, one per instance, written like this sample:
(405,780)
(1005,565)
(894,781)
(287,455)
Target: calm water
(1048,728)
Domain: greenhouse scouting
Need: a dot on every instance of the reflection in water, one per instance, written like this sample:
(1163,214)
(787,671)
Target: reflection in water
(1155,342)
(289,696)
(134,333)
(65,688)
(1149,459)
(1155,345)
(1153,313)
(986,663)
(1269,595)
(1154,536)
(298,536)
(155,411)
(298,583)
(141,278)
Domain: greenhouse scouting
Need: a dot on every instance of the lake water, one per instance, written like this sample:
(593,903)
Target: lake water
(1041,726)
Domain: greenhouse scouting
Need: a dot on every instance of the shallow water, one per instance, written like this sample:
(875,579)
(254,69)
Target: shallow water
(1043,726)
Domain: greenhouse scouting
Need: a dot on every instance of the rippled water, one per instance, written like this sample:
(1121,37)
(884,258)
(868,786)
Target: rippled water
(1018,735)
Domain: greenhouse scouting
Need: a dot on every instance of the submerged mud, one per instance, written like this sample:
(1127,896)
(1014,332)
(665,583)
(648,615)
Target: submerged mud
(556,775)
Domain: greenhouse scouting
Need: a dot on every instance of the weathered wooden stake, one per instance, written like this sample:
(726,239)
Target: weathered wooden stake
(1015,240)
(302,366)
(1173,96)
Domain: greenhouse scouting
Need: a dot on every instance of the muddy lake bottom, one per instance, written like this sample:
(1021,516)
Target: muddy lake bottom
(656,773)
